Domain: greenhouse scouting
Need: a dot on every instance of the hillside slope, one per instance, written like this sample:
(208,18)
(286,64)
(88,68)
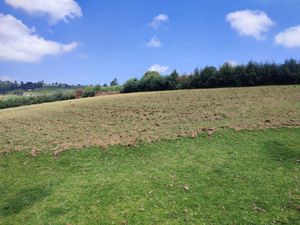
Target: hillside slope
(146,117)
(247,177)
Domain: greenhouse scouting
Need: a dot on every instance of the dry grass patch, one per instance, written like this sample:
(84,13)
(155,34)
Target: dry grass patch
(145,117)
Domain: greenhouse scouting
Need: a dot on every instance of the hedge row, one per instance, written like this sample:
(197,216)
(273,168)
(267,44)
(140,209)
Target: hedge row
(16,101)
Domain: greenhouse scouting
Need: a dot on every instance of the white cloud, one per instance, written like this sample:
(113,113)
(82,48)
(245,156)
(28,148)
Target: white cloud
(20,43)
(154,42)
(159,20)
(233,63)
(158,68)
(56,9)
(289,38)
(250,23)
(7,78)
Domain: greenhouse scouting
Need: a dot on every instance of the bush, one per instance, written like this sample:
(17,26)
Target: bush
(21,101)
(152,81)
(91,91)
(131,85)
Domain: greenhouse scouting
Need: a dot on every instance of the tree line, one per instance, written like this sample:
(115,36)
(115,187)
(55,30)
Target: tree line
(8,86)
(80,92)
(18,87)
(250,74)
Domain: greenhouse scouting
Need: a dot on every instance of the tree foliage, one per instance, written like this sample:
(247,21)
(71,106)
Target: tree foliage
(114,82)
(251,74)
(7,86)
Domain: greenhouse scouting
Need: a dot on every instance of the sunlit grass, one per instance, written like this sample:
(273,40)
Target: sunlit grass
(247,177)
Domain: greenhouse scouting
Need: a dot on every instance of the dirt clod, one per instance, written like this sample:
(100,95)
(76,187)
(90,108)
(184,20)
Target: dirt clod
(34,152)
(186,187)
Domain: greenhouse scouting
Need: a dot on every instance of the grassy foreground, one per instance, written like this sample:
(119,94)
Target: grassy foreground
(246,177)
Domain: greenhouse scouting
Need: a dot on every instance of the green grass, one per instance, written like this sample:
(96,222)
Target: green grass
(49,91)
(247,177)
(42,91)
(3,97)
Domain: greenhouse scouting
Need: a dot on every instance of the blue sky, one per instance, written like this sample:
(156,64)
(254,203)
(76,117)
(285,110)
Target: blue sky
(107,39)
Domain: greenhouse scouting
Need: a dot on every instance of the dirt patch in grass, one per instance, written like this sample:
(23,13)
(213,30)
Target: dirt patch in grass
(101,93)
(130,119)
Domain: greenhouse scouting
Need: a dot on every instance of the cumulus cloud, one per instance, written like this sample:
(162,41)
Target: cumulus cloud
(56,9)
(233,63)
(159,20)
(21,43)
(289,38)
(158,68)
(154,43)
(253,23)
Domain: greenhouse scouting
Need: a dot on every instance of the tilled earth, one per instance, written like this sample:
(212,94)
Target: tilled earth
(130,119)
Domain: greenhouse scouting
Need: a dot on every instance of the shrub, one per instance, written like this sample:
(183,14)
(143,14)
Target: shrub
(21,101)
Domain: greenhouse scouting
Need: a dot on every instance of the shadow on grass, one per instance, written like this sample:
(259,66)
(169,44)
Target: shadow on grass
(281,152)
(25,198)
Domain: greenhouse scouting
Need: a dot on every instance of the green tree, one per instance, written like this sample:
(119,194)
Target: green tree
(196,79)
(131,85)
(226,76)
(152,81)
(208,77)
(172,80)
(114,82)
